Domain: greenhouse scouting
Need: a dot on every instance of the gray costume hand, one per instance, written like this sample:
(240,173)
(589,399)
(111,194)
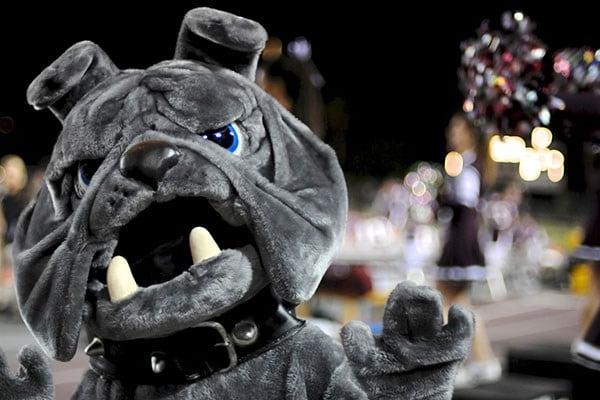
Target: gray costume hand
(32,382)
(416,357)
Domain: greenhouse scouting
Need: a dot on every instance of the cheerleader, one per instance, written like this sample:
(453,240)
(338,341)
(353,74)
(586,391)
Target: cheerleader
(585,106)
(462,260)
(586,350)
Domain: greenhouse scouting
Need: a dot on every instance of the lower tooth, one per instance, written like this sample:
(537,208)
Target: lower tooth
(202,245)
(120,280)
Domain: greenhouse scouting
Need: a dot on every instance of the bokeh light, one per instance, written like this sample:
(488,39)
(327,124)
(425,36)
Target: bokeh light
(541,137)
(453,164)
(556,174)
(529,167)
(507,149)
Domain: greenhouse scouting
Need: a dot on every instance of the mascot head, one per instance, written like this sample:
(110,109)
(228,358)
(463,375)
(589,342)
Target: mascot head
(147,156)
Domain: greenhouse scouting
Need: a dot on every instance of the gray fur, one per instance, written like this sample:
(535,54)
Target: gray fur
(220,38)
(33,381)
(286,187)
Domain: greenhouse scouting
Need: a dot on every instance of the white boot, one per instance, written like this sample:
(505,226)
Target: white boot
(586,354)
(486,371)
(477,373)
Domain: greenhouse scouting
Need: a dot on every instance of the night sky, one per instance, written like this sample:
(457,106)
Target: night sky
(396,69)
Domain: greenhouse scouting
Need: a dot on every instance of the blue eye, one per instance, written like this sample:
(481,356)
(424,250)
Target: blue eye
(227,137)
(85,172)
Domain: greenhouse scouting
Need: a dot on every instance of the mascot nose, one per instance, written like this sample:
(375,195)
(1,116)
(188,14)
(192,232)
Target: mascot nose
(149,161)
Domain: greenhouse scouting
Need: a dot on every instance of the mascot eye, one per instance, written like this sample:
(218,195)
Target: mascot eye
(85,172)
(228,137)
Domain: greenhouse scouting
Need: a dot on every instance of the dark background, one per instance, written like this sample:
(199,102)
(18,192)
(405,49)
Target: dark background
(394,63)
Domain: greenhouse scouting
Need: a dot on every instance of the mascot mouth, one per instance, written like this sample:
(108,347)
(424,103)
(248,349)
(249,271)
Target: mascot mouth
(158,244)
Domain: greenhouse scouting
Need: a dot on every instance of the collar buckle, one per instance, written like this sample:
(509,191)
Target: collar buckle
(224,346)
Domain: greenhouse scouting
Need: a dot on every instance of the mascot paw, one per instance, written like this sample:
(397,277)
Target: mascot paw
(417,356)
(32,382)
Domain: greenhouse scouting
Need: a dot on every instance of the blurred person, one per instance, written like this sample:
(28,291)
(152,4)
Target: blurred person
(2,227)
(584,108)
(462,260)
(5,273)
(2,233)
(589,251)
(15,198)
(3,192)
(586,348)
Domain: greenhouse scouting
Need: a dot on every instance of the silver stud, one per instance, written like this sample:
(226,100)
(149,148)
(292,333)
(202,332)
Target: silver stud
(95,348)
(244,333)
(158,365)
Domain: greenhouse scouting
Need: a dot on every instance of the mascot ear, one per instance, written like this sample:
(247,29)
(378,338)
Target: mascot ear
(303,229)
(77,71)
(220,38)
